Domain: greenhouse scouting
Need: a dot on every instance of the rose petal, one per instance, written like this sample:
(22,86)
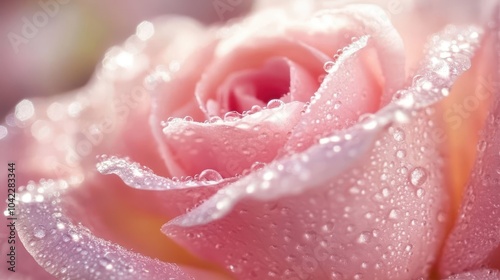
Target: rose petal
(484,274)
(371,200)
(340,101)
(229,147)
(69,250)
(475,240)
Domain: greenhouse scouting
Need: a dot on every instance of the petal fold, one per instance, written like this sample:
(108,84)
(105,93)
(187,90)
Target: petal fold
(299,210)
(68,250)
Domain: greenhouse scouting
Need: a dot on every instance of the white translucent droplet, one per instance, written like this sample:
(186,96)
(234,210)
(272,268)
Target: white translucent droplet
(418,176)
(399,135)
(400,154)
(364,237)
(24,110)
(481,146)
(210,175)
(337,105)
(328,66)
(26,197)
(232,116)
(393,214)
(275,103)
(39,232)
(420,192)
(368,121)
(106,263)
(3,132)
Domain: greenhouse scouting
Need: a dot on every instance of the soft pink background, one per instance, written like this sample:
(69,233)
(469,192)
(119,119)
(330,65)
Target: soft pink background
(64,52)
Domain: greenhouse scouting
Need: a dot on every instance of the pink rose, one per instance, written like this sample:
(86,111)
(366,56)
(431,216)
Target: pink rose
(313,141)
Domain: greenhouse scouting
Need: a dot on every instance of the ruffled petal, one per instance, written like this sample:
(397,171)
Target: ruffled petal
(182,195)
(365,202)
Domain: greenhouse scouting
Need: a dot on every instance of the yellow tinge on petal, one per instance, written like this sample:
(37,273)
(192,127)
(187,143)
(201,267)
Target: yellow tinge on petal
(139,230)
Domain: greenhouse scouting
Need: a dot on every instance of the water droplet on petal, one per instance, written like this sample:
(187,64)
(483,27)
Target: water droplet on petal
(393,214)
(39,232)
(214,119)
(368,121)
(337,105)
(400,153)
(257,165)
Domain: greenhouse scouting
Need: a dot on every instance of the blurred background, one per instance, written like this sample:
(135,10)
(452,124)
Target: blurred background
(52,46)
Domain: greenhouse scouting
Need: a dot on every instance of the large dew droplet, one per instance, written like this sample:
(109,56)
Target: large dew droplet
(275,103)
(418,176)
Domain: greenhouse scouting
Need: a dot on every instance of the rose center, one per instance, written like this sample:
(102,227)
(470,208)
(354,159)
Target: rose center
(246,88)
